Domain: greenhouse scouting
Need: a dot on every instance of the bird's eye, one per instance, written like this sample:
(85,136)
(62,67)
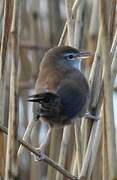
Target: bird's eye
(70,56)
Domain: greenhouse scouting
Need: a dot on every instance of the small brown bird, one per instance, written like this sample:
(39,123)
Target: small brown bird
(62,91)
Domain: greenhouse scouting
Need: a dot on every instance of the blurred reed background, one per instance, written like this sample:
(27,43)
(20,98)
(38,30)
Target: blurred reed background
(28,29)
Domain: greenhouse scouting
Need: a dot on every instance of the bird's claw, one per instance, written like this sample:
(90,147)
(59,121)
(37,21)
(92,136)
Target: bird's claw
(90,116)
(37,158)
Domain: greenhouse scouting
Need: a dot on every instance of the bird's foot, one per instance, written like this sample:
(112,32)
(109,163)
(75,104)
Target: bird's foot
(90,116)
(41,151)
(42,147)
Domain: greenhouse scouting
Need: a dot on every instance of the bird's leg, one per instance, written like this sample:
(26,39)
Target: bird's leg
(90,116)
(42,147)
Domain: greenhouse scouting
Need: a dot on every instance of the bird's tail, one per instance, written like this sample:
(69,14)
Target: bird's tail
(46,99)
(50,105)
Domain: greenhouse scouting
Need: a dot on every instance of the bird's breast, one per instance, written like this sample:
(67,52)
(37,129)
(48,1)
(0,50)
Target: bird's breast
(72,88)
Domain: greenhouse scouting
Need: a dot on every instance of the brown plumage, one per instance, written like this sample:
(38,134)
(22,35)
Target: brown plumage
(61,92)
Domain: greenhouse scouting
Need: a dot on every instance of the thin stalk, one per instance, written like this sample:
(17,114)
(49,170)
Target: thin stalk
(8,9)
(114,44)
(11,169)
(112,20)
(78,41)
(79,24)
(108,98)
(94,20)
(74,10)
(78,145)
(63,149)
(105,175)
(26,136)
(70,22)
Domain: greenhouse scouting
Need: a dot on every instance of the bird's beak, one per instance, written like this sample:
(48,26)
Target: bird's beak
(84,55)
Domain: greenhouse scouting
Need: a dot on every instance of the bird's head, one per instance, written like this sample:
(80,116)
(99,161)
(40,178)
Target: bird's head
(66,55)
